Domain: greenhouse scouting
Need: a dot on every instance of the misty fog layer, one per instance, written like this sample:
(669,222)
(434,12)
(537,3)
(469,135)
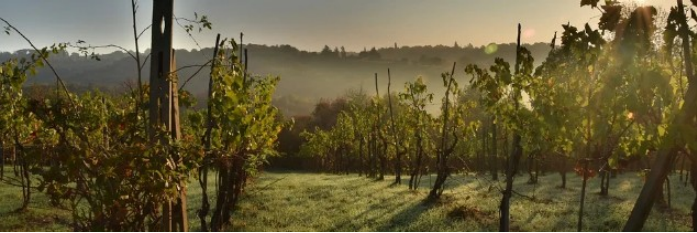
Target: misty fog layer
(306,77)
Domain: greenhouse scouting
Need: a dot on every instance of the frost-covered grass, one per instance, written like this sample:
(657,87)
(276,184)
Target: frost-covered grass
(322,202)
(291,201)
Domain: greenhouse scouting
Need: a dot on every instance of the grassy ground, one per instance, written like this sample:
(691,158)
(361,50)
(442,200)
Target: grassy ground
(316,202)
(40,216)
(287,201)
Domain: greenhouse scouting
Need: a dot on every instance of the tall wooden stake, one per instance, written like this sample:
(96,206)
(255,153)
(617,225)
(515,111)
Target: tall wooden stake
(203,171)
(378,135)
(514,159)
(585,162)
(398,143)
(2,160)
(164,104)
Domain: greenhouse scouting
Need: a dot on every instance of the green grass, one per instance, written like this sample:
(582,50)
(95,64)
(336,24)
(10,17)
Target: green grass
(319,202)
(40,216)
(288,201)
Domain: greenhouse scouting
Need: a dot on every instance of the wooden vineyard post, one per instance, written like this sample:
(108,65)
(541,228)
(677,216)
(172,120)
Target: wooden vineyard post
(513,160)
(2,160)
(398,144)
(13,157)
(203,171)
(585,174)
(378,134)
(164,104)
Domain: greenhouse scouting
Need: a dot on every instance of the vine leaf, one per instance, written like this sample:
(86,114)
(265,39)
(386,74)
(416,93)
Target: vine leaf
(611,17)
(592,3)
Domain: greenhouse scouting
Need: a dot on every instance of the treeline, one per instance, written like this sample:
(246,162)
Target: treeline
(307,76)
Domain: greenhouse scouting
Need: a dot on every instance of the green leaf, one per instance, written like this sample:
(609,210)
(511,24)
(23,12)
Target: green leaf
(661,130)
(612,161)
(592,3)
(611,17)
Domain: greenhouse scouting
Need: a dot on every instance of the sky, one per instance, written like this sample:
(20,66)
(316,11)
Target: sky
(306,24)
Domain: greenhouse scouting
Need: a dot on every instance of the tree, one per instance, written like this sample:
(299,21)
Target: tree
(327,52)
(509,85)
(244,130)
(416,97)
(454,122)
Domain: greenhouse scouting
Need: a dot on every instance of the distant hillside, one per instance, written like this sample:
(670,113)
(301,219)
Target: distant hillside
(306,77)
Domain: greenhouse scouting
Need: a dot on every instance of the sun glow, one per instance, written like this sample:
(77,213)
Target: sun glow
(635,2)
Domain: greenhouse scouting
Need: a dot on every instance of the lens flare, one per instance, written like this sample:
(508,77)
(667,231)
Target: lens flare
(491,49)
(637,2)
(528,33)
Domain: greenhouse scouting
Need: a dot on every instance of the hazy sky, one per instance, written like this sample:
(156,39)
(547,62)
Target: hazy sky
(306,24)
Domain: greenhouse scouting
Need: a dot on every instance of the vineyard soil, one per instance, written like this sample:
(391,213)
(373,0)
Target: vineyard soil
(289,201)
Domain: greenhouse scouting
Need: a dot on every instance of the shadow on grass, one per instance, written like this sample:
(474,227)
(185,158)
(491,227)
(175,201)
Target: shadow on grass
(406,216)
(35,219)
(453,181)
(563,224)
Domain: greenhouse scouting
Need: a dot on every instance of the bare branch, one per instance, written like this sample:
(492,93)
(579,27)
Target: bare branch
(191,66)
(185,19)
(144,30)
(176,19)
(93,47)
(60,80)
(193,75)
(145,60)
